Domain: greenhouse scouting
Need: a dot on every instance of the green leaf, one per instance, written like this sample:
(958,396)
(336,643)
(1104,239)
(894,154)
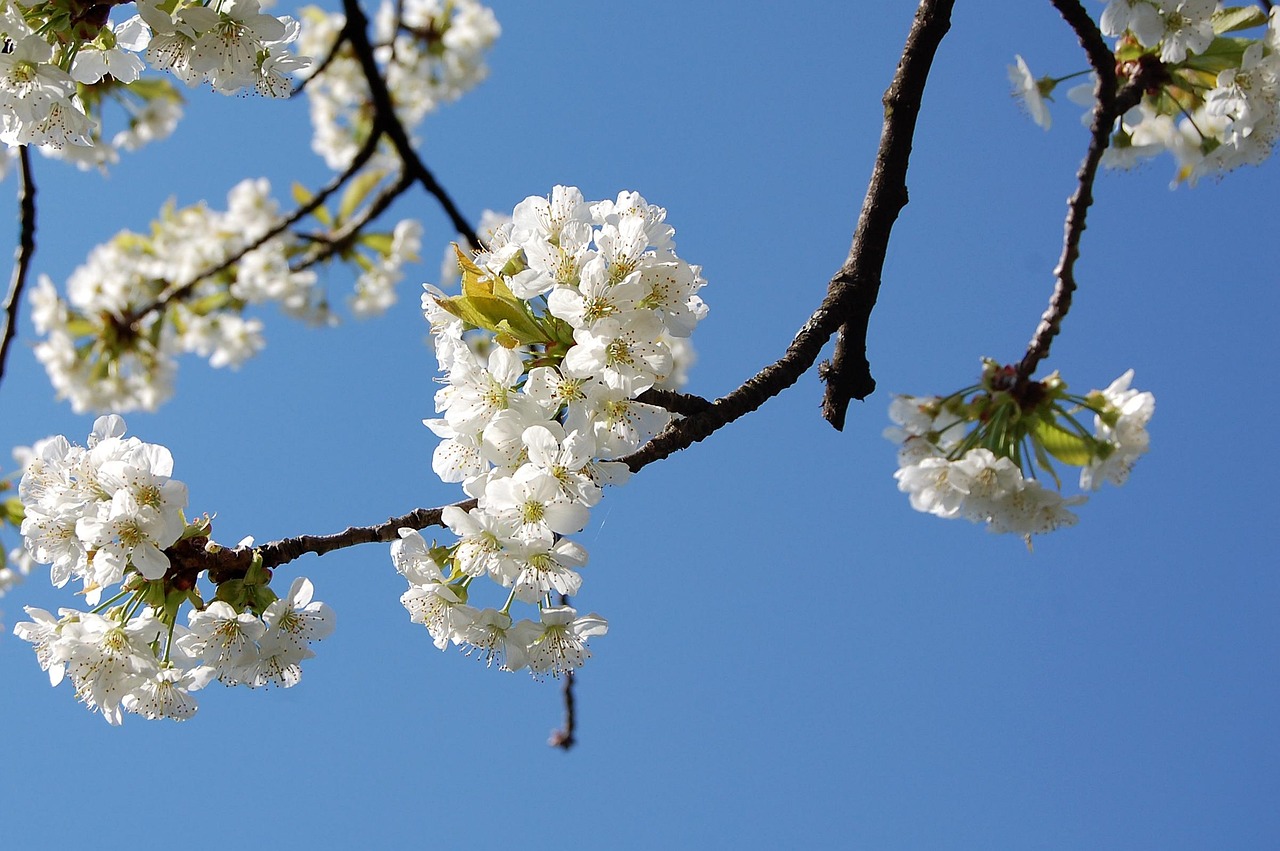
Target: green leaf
(303,196)
(154,595)
(1065,445)
(151,88)
(379,242)
(487,302)
(357,190)
(1043,462)
(82,328)
(1238,18)
(208,304)
(14,511)
(462,308)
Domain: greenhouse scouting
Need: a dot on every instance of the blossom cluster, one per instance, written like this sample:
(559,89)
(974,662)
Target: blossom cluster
(133,658)
(92,512)
(431,52)
(565,318)
(109,514)
(59,59)
(1216,102)
(974,454)
(140,300)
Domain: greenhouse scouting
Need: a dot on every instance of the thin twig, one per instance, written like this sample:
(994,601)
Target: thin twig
(1108,106)
(857,284)
(22,256)
(324,63)
(387,121)
(565,738)
(314,203)
(701,418)
(230,563)
(334,242)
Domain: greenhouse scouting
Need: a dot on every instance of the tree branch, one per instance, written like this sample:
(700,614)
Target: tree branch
(685,404)
(386,121)
(1108,106)
(324,64)
(22,256)
(702,418)
(224,564)
(362,156)
(565,737)
(855,287)
(333,243)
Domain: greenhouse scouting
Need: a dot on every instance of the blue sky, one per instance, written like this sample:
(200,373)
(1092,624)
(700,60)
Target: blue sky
(795,657)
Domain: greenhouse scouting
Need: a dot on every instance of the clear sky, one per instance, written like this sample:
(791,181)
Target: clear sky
(796,658)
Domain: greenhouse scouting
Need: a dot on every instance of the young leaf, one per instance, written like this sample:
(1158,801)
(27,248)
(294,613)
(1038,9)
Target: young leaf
(1238,18)
(1067,446)
(357,190)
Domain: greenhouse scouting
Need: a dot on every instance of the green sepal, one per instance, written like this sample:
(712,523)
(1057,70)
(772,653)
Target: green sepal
(194,598)
(1065,445)
(303,196)
(357,190)
(154,594)
(256,575)
(1129,50)
(172,604)
(1237,18)
(198,528)
(260,596)
(1043,462)
(233,593)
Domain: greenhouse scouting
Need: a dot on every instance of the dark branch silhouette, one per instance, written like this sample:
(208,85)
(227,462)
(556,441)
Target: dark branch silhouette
(22,256)
(885,196)
(319,69)
(386,121)
(565,738)
(1109,104)
(852,292)
(330,244)
(314,203)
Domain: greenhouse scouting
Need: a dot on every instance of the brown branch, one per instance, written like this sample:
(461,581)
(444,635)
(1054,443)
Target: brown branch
(387,121)
(684,404)
(22,256)
(565,737)
(224,564)
(702,418)
(857,284)
(851,294)
(1108,106)
(336,241)
(324,63)
(362,156)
